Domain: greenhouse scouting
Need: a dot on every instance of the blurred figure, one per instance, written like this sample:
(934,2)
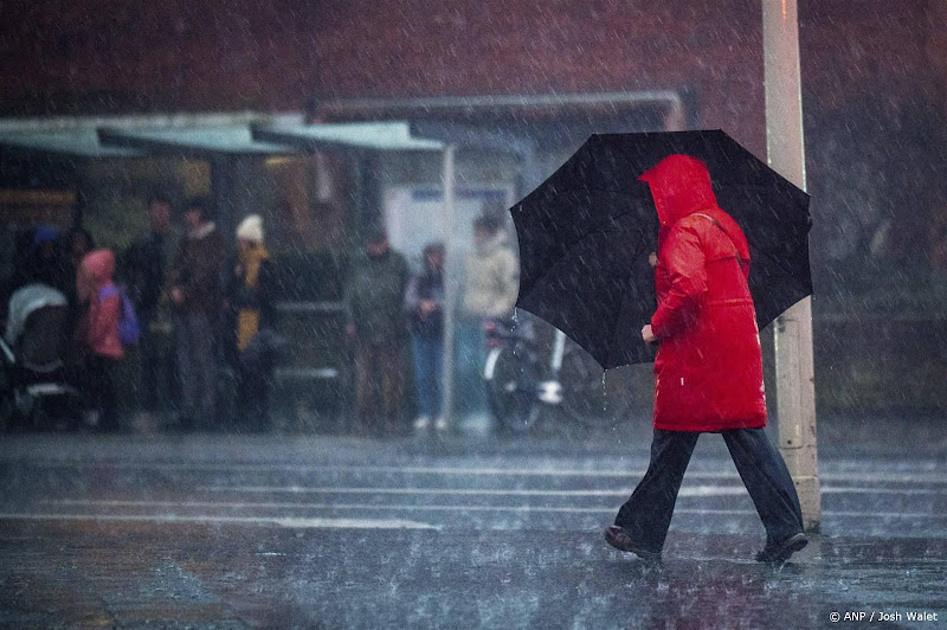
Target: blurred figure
(97,336)
(73,248)
(146,264)
(424,303)
(374,300)
(491,283)
(491,273)
(196,293)
(74,245)
(78,242)
(252,313)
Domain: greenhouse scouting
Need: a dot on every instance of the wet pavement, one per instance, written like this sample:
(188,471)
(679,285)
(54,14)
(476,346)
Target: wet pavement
(232,531)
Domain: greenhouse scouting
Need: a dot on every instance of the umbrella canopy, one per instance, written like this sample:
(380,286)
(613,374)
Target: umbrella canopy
(585,234)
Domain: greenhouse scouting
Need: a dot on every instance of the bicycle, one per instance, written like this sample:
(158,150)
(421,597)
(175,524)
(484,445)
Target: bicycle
(520,387)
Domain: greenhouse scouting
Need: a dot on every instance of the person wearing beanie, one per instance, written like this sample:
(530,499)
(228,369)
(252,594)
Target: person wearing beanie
(251,230)
(249,297)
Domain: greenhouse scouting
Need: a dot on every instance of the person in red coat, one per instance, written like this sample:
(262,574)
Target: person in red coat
(709,369)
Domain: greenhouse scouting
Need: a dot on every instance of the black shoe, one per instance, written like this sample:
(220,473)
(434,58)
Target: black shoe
(618,538)
(779,552)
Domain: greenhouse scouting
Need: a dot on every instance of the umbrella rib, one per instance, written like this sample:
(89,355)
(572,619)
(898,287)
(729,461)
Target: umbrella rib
(569,247)
(603,191)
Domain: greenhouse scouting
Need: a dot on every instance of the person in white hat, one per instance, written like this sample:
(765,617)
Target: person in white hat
(250,301)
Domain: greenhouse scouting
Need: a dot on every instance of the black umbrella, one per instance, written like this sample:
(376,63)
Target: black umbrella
(586,232)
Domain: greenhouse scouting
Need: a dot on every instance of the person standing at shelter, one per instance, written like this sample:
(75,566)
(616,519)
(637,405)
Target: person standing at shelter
(76,243)
(709,375)
(424,303)
(196,292)
(251,313)
(146,264)
(374,301)
(491,283)
(491,273)
(97,337)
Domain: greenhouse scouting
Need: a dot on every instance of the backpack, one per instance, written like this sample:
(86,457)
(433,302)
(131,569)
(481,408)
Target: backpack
(129,331)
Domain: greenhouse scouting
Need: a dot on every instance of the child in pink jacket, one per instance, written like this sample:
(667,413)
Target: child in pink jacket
(98,335)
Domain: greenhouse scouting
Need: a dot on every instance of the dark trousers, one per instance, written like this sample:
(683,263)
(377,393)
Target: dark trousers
(194,333)
(253,408)
(646,515)
(157,373)
(99,389)
(380,381)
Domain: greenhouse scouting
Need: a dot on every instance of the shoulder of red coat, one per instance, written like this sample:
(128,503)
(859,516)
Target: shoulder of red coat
(692,223)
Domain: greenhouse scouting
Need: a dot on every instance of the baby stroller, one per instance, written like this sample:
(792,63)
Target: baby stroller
(34,386)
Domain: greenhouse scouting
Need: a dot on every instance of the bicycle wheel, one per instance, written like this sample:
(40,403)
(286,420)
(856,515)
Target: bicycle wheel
(511,376)
(585,394)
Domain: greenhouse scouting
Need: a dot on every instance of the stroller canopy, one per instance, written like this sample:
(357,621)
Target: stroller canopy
(26,301)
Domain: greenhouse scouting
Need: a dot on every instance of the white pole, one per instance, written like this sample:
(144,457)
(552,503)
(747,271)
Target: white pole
(451,282)
(795,387)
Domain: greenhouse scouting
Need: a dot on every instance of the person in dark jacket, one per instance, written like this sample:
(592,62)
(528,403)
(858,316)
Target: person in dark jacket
(46,263)
(251,319)
(197,296)
(374,300)
(76,243)
(146,264)
(709,375)
(424,302)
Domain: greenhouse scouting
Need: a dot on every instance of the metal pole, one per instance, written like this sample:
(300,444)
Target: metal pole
(795,390)
(451,282)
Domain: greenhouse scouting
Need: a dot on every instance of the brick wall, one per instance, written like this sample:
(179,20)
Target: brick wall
(81,57)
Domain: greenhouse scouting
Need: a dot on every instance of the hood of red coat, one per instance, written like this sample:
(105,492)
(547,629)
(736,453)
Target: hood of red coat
(98,267)
(680,185)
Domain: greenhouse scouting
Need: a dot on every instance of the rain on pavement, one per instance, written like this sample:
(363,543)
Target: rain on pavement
(334,531)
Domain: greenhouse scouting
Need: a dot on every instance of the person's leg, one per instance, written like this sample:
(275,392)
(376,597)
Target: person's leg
(244,415)
(150,366)
(251,398)
(107,402)
(206,362)
(437,376)
(646,515)
(767,480)
(364,384)
(422,377)
(168,389)
(470,388)
(91,378)
(392,377)
(262,405)
(187,374)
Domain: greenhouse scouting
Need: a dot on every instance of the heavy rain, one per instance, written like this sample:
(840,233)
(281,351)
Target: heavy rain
(415,314)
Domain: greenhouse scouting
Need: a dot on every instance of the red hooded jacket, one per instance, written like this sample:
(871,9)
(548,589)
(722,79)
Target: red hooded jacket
(709,369)
(99,327)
